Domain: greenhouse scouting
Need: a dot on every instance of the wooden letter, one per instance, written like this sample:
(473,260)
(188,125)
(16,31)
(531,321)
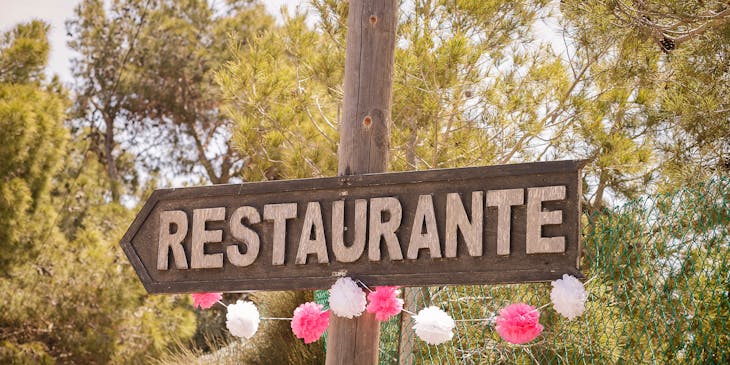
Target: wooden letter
(504,200)
(386,229)
(536,218)
(430,239)
(456,219)
(172,241)
(307,245)
(198,258)
(342,252)
(279,213)
(244,234)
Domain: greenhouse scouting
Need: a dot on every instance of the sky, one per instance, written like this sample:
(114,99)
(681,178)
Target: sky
(56,12)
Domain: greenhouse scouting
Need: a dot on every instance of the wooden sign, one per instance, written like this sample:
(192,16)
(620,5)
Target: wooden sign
(477,225)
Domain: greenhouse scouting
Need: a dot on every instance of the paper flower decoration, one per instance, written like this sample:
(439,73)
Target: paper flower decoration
(433,325)
(569,296)
(384,302)
(310,322)
(346,298)
(518,323)
(205,300)
(242,319)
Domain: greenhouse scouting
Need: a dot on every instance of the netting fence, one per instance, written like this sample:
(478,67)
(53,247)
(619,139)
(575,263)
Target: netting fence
(658,275)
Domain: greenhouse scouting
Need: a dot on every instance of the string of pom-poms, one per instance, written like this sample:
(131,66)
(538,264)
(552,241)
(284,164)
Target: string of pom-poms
(517,323)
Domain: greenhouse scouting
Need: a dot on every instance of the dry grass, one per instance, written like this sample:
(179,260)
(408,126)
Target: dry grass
(274,342)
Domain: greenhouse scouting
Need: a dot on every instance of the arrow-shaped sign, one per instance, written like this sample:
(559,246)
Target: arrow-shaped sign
(495,224)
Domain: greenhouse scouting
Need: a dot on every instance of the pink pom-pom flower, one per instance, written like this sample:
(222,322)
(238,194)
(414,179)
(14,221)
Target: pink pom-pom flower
(519,323)
(384,302)
(205,300)
(310,321)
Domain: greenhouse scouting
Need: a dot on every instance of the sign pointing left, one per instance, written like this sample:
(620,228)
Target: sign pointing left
(496,224)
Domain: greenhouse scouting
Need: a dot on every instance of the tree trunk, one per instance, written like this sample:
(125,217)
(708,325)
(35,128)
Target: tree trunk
(115,184)
(364,143)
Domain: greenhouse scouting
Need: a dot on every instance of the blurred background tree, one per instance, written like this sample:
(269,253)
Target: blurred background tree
(481,83)
(148,103)
(31,143)
(71,296)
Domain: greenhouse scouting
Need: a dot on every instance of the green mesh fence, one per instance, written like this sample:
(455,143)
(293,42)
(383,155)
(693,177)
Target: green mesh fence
(658,274)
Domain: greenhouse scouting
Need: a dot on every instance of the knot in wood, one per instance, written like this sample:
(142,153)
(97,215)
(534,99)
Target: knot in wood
(373,19)
(367,121)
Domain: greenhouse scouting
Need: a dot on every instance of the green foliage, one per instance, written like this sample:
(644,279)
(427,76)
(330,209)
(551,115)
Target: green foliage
(221,92)
(471,87)
(662,84)
(275,343)
(71,295)
(24,53)
(32,140)
(657,279)
(279,103)
(284,88)
(146,89)
(444,72)
(24,354)
(80,297)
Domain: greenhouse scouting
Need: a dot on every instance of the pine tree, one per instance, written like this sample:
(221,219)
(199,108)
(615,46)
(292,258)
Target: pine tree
(71,295)
(32,141)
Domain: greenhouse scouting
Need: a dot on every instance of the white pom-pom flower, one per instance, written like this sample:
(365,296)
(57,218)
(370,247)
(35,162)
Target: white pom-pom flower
(242,319)
(569,296)
(433,325)
(347,300)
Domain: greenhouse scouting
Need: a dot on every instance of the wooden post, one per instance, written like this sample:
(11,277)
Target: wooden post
(406,340)
(364,143)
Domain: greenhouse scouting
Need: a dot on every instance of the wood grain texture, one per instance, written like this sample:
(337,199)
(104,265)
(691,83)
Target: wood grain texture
(369,56)
(407,338)
(385,230)
(245,235)
(424,234)
(201,236)
(283,206)
(172,240)
(458,221)
(343,252)
(536,218)
(504,200)
(311,239)
(279,213)
(364,145)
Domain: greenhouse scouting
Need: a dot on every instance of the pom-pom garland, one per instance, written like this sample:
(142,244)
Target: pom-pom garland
(242,319)
(384,302)
(205,300)
(347,300)
(518,323)
(569,297)
(433,325)
(310,322)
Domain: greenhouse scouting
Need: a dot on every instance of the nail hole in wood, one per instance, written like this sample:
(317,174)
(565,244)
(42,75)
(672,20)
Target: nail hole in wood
(367,121)
(373,19)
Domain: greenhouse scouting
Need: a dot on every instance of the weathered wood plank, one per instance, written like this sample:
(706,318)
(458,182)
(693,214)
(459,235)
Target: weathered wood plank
(364,144)
(201,236)
(280,230)
(470,228)
(504,200)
